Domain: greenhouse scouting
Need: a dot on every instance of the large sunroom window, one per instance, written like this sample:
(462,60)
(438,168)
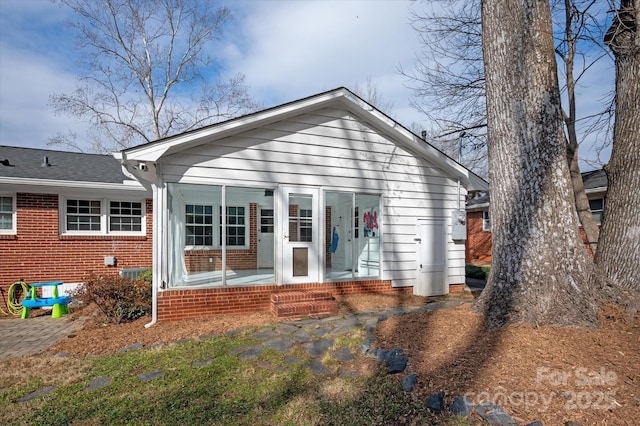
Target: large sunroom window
(208,248)
(354,235)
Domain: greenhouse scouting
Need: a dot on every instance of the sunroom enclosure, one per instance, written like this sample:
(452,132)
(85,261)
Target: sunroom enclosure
(221,235)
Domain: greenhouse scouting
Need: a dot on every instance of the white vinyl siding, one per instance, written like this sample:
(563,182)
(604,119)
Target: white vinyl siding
(335,151)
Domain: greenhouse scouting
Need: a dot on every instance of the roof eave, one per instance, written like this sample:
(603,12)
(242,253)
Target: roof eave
(51,183)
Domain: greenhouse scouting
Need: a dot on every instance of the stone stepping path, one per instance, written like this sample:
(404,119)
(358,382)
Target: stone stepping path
(317,337)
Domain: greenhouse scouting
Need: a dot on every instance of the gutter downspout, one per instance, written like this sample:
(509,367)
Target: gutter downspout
(156,277)
(122,157)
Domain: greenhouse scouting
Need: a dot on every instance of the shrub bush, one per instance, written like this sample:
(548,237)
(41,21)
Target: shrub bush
(119,299)
(472,271)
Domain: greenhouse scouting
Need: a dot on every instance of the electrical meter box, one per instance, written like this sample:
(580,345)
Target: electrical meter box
(458,225)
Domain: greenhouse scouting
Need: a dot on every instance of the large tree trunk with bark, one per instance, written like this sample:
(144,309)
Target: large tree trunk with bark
(618,253)
(541,272)
(589,225)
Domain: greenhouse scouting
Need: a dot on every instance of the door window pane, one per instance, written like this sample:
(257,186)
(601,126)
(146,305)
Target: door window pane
(300,218)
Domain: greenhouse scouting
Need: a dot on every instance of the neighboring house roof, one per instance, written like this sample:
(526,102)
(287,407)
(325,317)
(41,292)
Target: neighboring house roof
(594,181)
(152,152)
(31,166)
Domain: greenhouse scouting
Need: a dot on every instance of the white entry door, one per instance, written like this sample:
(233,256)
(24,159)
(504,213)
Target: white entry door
(431,246)
(266,226)
(300,257)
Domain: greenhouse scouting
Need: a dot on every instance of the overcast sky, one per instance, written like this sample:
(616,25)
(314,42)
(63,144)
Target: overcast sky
(286,49)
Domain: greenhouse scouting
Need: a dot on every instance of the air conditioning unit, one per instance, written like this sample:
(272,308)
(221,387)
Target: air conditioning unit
(132,273)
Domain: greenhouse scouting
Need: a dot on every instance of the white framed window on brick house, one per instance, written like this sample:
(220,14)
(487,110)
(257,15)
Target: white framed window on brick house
(236,226)
(486,221)
(198,225)
(7,214)
(102,216)
(125,216)
(597,206)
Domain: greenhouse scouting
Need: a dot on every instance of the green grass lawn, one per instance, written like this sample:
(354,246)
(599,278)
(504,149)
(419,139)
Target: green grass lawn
(267,390)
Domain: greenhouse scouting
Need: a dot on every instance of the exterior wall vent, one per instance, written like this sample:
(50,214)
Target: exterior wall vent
(132,273)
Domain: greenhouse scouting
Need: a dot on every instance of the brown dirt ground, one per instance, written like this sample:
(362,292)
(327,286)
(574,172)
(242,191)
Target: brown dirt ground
(551,374)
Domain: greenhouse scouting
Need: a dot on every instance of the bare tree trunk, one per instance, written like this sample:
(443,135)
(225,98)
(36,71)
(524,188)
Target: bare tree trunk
(619,249)
(589,225)
(540,272)
(583,209)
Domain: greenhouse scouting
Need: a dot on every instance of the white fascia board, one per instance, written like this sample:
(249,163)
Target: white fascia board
(65,184)
(475,207)
(155,150)
(601,189)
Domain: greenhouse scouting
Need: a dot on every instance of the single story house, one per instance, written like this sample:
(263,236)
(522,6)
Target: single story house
(323,194)
(63,214)
(478,249)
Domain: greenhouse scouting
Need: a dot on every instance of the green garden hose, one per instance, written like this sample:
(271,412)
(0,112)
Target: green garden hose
(16,293)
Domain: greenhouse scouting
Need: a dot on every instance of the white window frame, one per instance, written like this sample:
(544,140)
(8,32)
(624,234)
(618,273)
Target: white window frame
(212,225)
(14,216)
(112,216)
(105,215)
(486,218)
(247,224)
(217,225)
(599,211)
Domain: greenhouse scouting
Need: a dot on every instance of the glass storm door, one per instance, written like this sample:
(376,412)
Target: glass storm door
(301,257)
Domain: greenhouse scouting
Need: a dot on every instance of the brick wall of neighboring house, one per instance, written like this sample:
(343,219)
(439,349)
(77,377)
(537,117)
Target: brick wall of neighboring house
(586,243)
(39,253)
(174,305)
(478,247)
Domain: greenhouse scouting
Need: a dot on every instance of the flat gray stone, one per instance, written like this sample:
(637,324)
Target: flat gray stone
(35,394)
(366,345)
(286,329)
(343,329)
(293,360)
(281,344)
(208,336)
(318,368)
(319,330)
(435,403)
(318,347)
(133,347)
(182,341)
(409,382)
(264,334)
(251,353)
(461,406)
(202,363)
(158,346)
(151,375)
(302,335)
(62,355)
(343,355)
(494,414)
(98,383)
(241,349)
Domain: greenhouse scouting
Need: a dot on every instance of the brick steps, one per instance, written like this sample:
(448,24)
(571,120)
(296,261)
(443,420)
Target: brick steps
(295,305)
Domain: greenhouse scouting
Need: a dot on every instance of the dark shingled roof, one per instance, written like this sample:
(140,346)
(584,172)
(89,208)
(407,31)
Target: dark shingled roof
(20,162)
(594,179)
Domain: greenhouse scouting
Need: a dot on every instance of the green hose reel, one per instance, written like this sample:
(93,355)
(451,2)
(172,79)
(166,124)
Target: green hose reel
(17,291)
